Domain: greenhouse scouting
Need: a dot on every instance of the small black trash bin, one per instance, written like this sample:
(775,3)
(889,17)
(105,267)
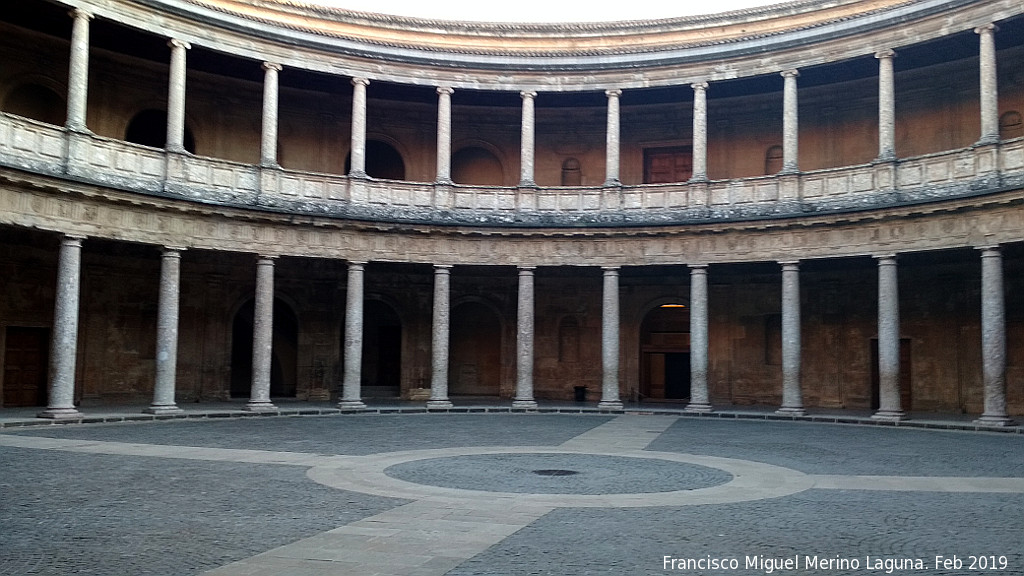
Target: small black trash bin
(579,393)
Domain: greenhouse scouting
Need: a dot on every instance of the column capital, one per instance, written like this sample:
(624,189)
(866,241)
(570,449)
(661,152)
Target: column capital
(615,93)
(175,43)
(526,269)
(528,94)
(789,264)
(268,66)
(989,249)
(440,89)
(360,82)
(887,53)
(699,86)
(697,268)
(885,258)
(442,268)
(986,29)
(172,251)
(358,264)
(266,257)
(611,270)
(73,239)
(793,73)
(80,13)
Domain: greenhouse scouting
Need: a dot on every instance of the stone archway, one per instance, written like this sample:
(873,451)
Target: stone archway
(284,361)
(475,362)
(665,353)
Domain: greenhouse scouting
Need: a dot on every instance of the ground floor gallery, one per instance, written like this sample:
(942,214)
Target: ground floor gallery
(574,318)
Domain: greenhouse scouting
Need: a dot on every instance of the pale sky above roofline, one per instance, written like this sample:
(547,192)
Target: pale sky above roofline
(541,10)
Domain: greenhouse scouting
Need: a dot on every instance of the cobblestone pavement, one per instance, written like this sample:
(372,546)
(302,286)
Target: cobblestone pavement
(131,499)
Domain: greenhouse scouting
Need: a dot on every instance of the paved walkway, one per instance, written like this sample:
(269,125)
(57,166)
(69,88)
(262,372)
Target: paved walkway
(518,494)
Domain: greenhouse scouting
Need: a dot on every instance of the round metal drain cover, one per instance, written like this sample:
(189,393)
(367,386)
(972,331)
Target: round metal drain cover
(555,472)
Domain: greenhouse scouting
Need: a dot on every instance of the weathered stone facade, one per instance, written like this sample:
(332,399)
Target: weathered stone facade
(502,208)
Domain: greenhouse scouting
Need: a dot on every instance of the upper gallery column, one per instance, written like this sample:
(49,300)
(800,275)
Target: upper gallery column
(792,398)
(444,134)
(357,158)
(351,393)
(700,132)
(993,338)
(886,106)
(790,123)
(698,339)
(989,86)
(612,139)
(268,150)
(64,342)
(610,340)
(527,141)
(167,333)
(439,338)
(78,70)
(524,341)
(262,336)
(888,341)
(176,97)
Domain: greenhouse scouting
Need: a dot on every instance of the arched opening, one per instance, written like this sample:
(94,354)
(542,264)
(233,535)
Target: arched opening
(383,161)
(149,128)
(665,353)
(477,166)
(1010,125)
(285,356)
(572,174)
(773,160)
(382,351)
(38,103)
(475,367)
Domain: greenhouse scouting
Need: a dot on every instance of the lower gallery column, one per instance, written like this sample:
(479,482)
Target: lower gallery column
(167,334)
(351,392)
(524,341)
(993,338)
(888,341)
(792,398)
(64,343)
(262,336)
(439,339)
(610,341)
(698,339)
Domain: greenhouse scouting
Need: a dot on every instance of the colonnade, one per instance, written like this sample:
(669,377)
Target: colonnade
(78,88)
(65,331)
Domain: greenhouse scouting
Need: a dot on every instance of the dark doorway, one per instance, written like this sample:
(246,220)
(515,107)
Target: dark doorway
(149,128)
(475,350)
(284,359)
(26,366)
(665,351)
(905,381)
(382,161)
(382,351)
(38,103)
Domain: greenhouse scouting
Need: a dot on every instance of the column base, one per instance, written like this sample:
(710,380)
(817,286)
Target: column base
(440,404)
(353,405)
(60,414)
(889,415)
(995,420)
(609,405)
(528,404)
(264,406)
(698,407)
(163,409)
(790,411)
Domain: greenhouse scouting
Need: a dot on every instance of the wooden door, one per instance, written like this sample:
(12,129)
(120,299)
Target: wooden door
(666,165)
(26,360)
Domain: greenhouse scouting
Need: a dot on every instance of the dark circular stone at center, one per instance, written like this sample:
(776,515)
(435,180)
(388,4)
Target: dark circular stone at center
(554,472)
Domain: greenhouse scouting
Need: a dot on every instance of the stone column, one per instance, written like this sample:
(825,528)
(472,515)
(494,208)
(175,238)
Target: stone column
(444,135)
(78,73)
(524,341)
(176,97)
(64,342)
(610,341)
(612,139)
(888,341)
(268,151)
(439,338)
(700,132)
(993,338)
(167,334)
(790,123)
(886,106)
(351,394)
(699,339)
(989,86)
(527,140)
(792,398)
(262,336)
(357,158)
